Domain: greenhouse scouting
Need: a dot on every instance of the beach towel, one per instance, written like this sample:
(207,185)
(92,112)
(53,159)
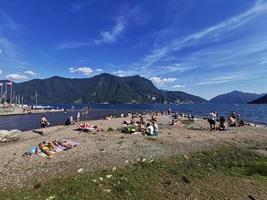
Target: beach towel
(73,143)
(35,150)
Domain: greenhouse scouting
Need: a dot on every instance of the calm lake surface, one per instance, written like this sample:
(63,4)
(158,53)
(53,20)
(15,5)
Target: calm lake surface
(248,112)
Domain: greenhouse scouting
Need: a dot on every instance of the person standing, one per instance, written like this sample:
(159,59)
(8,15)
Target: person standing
(78,116)
(156,129)
(169,110)
(44,123)
(212,120)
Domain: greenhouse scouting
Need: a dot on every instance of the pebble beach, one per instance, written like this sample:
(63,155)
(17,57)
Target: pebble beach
(111,148)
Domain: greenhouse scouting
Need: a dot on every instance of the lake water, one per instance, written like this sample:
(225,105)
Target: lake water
(248,112)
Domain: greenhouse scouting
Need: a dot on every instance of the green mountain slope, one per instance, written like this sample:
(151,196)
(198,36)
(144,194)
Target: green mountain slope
(99,89)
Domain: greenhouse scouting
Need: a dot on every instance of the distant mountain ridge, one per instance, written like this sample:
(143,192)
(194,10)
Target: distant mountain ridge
(99,89)
(261,100)
(236,97)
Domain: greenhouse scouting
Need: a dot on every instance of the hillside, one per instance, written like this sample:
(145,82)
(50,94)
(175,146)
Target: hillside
(261,100)
(99,89)
(235,97)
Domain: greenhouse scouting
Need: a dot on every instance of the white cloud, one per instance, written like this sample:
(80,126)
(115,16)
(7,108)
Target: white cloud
(30,73)
(223,79)
(9,48)
(263,62)
(111,36)
(211,33)
(162,81)
(178,86)
(9,23)
(99,70)
(73,45)
(85,70)
(171,68)
(119,73)
(107,37)
(16,77)
(1,71)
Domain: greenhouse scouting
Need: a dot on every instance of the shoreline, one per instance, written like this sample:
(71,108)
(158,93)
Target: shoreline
(26,113)
(93,114)
(107,149)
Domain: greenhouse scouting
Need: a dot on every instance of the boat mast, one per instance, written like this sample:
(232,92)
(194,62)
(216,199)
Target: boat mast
(35,97)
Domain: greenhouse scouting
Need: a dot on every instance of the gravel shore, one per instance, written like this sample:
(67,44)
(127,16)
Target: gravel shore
(108,149)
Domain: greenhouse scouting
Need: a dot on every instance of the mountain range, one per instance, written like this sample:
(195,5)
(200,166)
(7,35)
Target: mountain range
(99,89)
(261,100)
(236,97)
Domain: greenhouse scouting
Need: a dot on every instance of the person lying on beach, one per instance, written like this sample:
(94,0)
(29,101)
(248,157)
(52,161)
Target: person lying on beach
(129,122)
(87,127)
(63,143)
(46,147)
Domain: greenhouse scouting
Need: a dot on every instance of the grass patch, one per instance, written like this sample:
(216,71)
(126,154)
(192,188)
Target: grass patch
(219,174)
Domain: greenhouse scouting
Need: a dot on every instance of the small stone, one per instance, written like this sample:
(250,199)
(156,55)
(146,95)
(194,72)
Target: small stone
(185,179)
(80,170)
(186,157)
(151,161)
(100,178)
(107,190)
(144,160)
(37,186)
(50,198)
(114,169)
(108,176)
(128,192)
(126,161)
(94,180)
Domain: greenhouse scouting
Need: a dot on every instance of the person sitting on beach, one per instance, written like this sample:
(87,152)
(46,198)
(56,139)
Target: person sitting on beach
(153,117)
(108,118)
(177,123)
(141,128)
(212,120)
(149,130)
(231,121)
(222,126)
(141,119)
(156,129)
(44,123)
(67,122)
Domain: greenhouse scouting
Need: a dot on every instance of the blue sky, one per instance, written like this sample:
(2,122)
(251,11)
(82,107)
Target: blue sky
(202,47)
